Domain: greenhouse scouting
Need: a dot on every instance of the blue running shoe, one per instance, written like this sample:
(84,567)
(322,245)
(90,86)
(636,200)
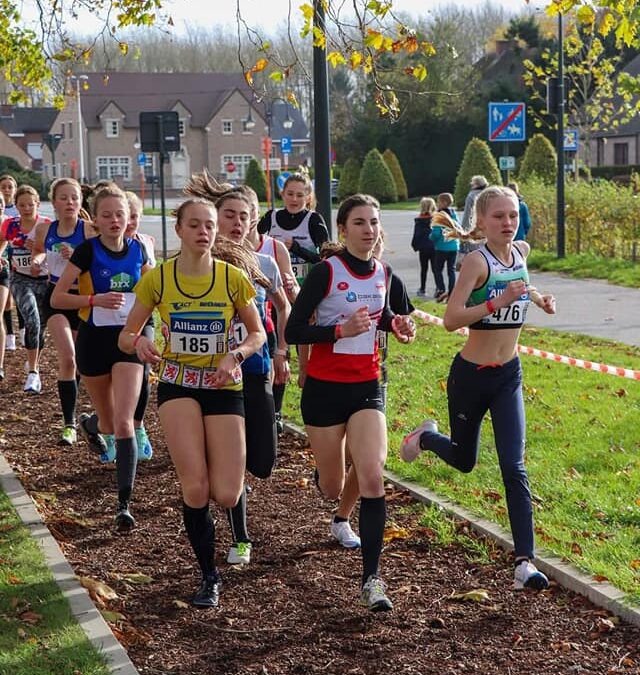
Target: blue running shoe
(109,455)
(145,451)
(527,575)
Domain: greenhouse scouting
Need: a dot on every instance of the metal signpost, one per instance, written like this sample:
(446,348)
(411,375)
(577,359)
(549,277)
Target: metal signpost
(52,141)
(507,122)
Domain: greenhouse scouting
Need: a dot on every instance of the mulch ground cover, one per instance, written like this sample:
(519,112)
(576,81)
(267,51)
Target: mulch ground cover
(295,608)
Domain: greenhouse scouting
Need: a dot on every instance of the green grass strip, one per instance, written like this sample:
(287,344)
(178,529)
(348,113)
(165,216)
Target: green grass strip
(38,634)
(587,266)
(583,445)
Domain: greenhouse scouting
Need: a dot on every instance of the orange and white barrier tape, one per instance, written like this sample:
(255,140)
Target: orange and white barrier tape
(550,356)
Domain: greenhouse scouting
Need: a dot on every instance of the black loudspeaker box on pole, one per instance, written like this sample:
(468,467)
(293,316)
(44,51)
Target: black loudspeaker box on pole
(159,131)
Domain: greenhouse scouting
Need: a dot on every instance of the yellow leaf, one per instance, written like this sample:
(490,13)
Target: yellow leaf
(98,588)
(180,604)
(335,59)
(586,15)
(374,39)
(124,48)
(248,76)
(261,64)
(307,11)
(355,59)
(291,98)
(392,532)
(319,38)
(476,595)
(419,72)
(276,76)
(606,24)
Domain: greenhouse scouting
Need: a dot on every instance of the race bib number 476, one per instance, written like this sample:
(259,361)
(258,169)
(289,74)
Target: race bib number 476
(197,334)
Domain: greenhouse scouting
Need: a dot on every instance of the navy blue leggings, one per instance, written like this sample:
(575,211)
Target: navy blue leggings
(472,390)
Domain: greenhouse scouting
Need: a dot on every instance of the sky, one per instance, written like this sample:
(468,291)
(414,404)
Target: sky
(269,14)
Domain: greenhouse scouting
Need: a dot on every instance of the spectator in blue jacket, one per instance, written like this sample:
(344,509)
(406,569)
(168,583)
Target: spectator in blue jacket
(446,251)
(422,244)
(524,224)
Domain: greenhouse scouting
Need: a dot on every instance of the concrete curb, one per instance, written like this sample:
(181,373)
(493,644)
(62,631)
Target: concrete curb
(82,607)
(601,594)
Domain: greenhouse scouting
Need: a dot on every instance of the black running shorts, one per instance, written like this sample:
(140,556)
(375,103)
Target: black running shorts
(326,404)
(97,350)
(212,401)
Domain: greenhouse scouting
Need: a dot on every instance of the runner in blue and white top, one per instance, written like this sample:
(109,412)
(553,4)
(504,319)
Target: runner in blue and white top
(491,297)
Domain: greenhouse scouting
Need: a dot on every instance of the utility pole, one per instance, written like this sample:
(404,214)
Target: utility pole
(560,142)
(321,136)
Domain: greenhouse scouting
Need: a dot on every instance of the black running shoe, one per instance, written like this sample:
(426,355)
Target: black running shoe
(88,426)
(124,520)
(209,592)
(279,424)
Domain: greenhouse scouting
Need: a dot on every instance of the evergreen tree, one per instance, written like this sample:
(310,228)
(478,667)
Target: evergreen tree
(256,179)
(376,179)
(539,160)
(476,161)
(349,178)
(396,171)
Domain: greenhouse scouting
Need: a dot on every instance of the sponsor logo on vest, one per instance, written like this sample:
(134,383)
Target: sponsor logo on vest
(343,285)
(352,297)
(120,282)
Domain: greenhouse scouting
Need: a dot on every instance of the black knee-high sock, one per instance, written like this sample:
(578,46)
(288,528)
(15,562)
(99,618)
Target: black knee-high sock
(68,393)
(202,534)
(278,395)
(373,515)
(238,518)
(143,397)
(8,321)
(126,462)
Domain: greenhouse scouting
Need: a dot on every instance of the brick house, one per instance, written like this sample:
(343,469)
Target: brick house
(213,109)
(21,132)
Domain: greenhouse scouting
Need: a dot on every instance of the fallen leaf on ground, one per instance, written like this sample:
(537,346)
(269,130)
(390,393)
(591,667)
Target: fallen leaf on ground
(112,617)
(98,588)
(14,580)
(181,604)
(476,595)
(392,532)
(31,618)
(136,578)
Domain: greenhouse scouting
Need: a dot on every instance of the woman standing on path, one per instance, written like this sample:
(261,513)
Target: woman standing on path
(4,294)
(107,268)
(8,187)
(29,286)
(200,388)
(491,297)
(422,244)
(55,243)
(341,399)
(446,250)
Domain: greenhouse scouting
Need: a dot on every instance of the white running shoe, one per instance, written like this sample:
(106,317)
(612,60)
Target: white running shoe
(373,595)
(344,534)
(410,446)
(527,575)
(21,335)
(33,384)
(10,343)
(240,553)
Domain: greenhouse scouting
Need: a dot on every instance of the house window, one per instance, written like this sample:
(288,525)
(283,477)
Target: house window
(108,168)
(227,127)
(241,162)
(621,154)
(182,127)
(112,128)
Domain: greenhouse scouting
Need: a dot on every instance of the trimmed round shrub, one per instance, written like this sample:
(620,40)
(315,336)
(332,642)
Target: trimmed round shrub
(255,178)
(349,179)
(539,160)
(376,179)
(476,161)
(396,171)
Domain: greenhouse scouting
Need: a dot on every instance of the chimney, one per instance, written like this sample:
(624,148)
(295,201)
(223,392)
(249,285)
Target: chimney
(503,46)
(6,110)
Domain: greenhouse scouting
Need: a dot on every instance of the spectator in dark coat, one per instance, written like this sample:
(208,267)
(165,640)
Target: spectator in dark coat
(421,242)
(524,223)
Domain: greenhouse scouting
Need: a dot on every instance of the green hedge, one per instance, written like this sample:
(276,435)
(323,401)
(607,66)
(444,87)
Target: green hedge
(609,172)
(601,217)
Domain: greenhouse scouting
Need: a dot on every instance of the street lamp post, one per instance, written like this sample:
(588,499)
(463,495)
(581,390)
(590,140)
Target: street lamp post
(560,143)
(78,79)
(267,143)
